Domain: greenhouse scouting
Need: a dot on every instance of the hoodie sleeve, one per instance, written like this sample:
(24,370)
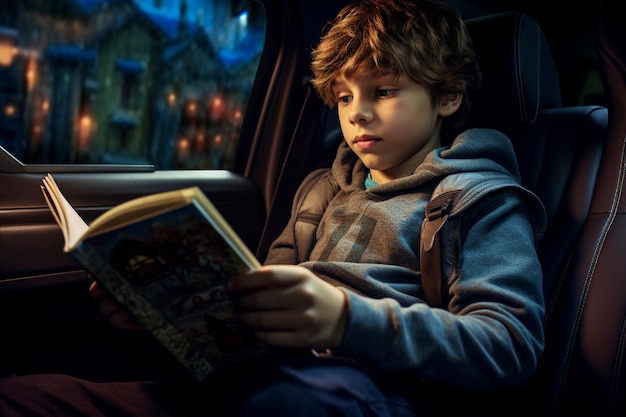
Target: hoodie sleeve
(295,242)
(491,335)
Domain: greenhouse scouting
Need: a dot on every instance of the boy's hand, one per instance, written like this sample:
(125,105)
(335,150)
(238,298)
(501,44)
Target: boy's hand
(289,306)
(117,315)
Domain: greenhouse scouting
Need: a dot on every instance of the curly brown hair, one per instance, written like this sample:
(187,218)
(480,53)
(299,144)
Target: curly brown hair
(425,40)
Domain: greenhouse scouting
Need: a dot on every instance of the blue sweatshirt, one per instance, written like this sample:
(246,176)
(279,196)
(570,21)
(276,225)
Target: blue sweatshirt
(491,334)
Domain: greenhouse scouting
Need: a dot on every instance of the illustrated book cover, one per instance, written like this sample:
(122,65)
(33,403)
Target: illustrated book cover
(165,257)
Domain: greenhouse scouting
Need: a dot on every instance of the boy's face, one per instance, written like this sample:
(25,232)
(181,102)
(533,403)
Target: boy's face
(389,122)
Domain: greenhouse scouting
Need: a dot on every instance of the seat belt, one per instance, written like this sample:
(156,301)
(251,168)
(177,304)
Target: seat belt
(437,212)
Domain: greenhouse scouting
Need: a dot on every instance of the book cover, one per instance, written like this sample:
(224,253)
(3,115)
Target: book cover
(168,267)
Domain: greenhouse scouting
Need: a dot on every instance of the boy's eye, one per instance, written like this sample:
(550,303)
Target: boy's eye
(345,99)
(387,92)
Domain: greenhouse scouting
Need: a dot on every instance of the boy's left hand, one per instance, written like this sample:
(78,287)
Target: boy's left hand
(289,306)
(117,315)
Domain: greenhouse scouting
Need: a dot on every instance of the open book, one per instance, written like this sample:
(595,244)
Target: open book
(166,257)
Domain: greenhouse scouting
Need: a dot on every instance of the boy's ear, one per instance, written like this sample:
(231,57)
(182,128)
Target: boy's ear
(450,104)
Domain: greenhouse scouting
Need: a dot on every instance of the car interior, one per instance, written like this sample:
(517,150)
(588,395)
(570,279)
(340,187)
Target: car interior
(568,134)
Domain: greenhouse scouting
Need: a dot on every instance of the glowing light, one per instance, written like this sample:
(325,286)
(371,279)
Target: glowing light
(85,122)
(243,19)
(171,99)
(217,107)
(84,131)
(7,53)
(191,107)
(183,147)
(10,110)
(31,74)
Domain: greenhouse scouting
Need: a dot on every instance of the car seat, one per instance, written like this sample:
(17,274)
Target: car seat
(583,370)
(560,152)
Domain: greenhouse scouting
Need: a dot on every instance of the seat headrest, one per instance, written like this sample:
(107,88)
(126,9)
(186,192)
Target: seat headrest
(519,73)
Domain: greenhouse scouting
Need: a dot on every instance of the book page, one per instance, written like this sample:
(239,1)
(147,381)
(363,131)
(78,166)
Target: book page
(72,225)
(139,209)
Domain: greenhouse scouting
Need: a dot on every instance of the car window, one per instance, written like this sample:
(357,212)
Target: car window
(162,82)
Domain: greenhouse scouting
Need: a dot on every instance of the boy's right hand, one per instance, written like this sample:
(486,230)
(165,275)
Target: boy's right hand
(117,315)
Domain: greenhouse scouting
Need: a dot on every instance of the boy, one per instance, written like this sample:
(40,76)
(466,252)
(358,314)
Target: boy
(399,73)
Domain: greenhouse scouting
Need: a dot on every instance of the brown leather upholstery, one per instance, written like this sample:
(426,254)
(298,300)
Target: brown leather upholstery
(584,367)
(567,158)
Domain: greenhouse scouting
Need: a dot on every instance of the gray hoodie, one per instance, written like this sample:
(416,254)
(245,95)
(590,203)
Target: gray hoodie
(491,334)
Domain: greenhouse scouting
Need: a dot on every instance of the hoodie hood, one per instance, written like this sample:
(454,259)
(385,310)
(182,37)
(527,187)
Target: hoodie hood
(475,150)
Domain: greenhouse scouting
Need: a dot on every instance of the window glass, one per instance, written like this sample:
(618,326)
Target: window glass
(162,82)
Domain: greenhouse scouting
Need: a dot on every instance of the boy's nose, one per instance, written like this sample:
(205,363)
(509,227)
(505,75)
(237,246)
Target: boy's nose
(360,113)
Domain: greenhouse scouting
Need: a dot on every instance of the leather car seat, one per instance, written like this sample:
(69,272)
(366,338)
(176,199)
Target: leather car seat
(583,370)
(560,153)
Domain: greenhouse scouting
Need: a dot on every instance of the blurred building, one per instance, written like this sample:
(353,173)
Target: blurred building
(120,81)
